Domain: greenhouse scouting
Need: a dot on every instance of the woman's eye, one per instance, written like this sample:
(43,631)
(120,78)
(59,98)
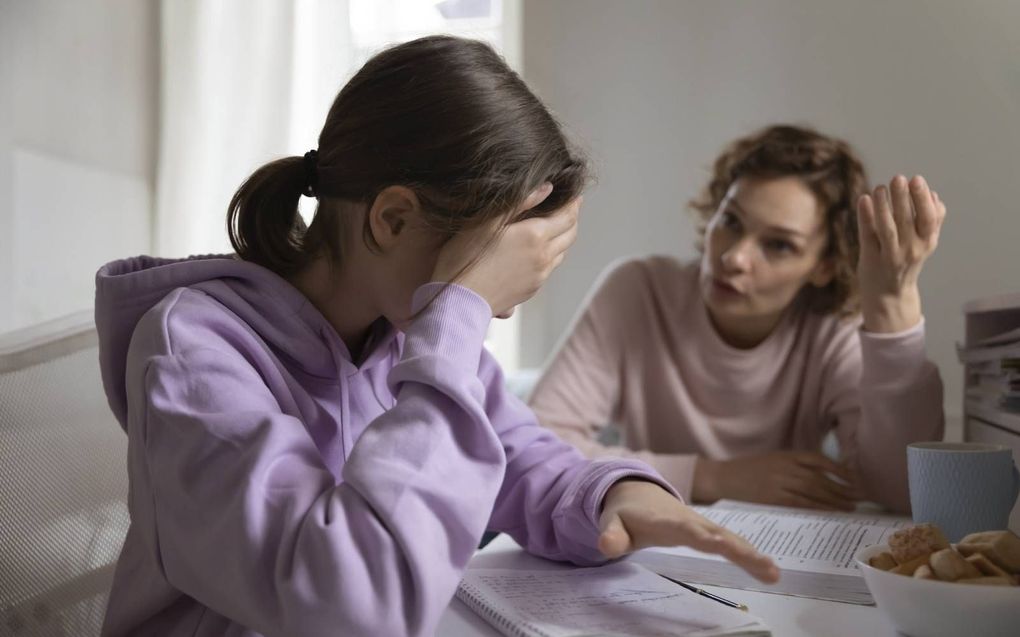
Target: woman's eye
(729,220)
(778,246)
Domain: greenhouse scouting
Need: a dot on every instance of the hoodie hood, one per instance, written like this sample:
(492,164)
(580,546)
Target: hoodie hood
(277,311)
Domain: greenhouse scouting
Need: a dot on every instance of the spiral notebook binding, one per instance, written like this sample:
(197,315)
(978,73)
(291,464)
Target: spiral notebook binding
(473,597)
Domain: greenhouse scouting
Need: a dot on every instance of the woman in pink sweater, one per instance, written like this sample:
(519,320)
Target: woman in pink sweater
(803,316)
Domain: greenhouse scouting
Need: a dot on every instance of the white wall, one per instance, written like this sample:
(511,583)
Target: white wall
(78,114)
(654,89)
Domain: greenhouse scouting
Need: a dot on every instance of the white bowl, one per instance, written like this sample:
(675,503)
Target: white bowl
(930,608)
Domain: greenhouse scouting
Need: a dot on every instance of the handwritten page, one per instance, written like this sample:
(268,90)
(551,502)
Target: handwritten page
(616,599)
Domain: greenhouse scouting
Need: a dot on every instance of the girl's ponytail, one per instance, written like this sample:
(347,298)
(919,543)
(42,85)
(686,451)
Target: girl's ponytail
(263,220)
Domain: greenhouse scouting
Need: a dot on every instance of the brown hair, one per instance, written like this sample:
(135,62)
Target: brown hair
(443,116)
(826,165)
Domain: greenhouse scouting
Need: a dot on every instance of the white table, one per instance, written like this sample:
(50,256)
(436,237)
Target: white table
(786,616)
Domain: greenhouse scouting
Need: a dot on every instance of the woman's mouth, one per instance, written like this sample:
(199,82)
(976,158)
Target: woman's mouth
(726,288)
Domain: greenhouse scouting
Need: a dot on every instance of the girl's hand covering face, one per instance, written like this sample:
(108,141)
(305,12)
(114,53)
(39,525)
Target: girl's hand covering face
(510,269)
(899,230)
(637,514)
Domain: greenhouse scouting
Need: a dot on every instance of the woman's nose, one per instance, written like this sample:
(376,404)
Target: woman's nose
(738,256)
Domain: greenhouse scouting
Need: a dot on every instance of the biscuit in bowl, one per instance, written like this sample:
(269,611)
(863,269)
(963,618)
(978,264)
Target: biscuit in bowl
(919,604)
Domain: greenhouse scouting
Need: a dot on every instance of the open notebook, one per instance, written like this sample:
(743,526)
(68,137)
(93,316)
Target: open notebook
(814,550)
(618,600)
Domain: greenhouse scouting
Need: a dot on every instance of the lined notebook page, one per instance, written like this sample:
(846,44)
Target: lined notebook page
(621,599)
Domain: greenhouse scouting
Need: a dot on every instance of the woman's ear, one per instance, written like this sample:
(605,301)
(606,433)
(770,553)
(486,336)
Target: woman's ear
(823,273)
(393,213)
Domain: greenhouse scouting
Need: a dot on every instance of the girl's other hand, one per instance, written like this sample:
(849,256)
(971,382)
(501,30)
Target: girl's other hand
(637,514)
(516,263)
(804,479)
(899,229)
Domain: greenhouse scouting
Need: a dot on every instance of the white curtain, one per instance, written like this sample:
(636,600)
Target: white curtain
(243,82)
(246,81)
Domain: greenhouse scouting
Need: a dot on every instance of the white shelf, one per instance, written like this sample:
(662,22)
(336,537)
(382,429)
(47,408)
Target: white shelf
(993,416)
(993,304)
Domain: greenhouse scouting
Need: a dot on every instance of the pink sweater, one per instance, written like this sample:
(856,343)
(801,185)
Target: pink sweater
(644,356)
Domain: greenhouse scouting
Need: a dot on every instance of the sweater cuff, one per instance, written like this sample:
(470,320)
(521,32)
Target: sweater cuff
(607,472)
(893,361)
(451,322)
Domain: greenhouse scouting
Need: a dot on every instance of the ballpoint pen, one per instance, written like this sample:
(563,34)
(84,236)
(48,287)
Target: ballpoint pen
(704,593)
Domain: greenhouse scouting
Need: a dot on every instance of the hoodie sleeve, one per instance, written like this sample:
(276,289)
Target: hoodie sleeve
(882,393)
(552,495)
(249,522)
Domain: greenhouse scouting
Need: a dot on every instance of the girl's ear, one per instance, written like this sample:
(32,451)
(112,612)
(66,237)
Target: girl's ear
(823,273)
(392,213)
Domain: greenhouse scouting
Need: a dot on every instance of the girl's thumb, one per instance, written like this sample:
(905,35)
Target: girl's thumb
(614,540)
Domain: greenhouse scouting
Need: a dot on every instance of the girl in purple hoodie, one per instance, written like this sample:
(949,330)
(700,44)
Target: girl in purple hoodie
(317,439)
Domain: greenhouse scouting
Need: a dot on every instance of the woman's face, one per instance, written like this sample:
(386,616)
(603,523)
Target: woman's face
(762,245)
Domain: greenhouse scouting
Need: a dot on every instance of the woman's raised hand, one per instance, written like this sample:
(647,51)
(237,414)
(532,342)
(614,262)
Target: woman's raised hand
(510,268)
(637,514)
(899,229)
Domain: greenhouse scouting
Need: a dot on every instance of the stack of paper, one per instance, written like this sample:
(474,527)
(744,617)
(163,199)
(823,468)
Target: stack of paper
(993,371)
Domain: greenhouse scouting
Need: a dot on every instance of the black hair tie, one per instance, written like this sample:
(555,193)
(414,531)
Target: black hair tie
(311,173)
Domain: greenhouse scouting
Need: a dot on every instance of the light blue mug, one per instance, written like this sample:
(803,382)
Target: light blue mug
(962,487)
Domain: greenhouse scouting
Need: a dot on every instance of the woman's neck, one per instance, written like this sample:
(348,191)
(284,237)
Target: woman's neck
(743,332)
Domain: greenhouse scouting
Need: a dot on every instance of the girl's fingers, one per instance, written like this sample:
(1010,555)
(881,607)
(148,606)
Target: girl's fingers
(614,540)
(536,197)
(564,219)
(737,550)
(706,536)
(885,226)
(927,214)
(555,224)
(562,242)
(688,530)
(903,211)
(555,263)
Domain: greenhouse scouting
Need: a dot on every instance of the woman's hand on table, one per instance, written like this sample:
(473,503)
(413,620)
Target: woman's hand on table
(805,479)
(638,514)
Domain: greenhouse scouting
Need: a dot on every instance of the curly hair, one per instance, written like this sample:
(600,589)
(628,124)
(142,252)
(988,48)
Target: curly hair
(830,168)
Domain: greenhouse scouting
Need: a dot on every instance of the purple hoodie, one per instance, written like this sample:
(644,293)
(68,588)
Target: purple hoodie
(278,488)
